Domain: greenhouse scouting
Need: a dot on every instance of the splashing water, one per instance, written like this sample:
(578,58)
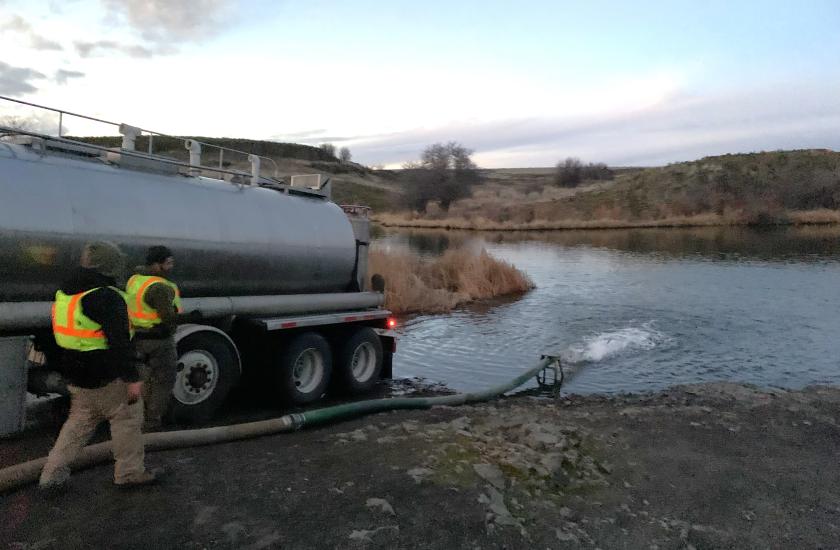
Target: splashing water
(608,344)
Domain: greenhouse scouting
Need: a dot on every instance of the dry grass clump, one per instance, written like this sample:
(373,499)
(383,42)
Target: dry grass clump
(438,285)
(821,216)
(480,223)
(706,219)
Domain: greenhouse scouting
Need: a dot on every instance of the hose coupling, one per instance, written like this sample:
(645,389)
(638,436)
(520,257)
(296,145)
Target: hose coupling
(551,376)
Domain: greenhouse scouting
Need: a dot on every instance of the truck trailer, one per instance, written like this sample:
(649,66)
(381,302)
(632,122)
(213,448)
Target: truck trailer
(273,274)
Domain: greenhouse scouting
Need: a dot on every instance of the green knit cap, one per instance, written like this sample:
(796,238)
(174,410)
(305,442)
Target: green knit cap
(106,258)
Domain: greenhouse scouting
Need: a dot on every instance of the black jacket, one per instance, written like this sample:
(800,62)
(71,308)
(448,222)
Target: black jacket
(94,369)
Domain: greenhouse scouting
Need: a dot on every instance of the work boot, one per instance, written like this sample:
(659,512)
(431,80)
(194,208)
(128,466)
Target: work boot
(57,483)
(148,477)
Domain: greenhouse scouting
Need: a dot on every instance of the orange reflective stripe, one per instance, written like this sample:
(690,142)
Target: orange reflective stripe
(71,309)
(69,329)
(66,331)
(139,313)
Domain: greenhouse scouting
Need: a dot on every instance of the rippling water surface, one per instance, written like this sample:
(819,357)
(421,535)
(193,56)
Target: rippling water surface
(640,309)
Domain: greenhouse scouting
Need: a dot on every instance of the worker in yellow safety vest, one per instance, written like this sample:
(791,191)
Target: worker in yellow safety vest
(153,306)
(90,325)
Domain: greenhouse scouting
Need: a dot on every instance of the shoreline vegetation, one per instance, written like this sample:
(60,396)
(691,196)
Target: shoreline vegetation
(480,223)
(438,285)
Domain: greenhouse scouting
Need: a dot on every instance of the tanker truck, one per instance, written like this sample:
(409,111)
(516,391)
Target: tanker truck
(273,274)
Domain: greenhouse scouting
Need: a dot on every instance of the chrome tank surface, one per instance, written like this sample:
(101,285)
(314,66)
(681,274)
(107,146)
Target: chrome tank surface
(228,240)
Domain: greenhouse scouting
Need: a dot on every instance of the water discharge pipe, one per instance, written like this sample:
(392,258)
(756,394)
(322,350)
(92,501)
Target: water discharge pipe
(22,474)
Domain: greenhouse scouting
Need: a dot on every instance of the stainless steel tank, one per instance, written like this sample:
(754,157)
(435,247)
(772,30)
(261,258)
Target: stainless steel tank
(228,240)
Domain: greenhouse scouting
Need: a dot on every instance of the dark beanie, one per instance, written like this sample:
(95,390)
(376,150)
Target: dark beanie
(157,255)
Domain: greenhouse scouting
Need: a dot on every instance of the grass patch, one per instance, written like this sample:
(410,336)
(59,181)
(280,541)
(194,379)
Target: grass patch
(347,192)
(454,465)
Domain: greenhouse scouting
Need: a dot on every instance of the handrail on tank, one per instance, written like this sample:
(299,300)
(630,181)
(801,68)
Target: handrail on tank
(150,133)
(127,153)
(357,210)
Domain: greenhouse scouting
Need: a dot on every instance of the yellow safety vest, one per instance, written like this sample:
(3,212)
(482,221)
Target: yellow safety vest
(140,314)
(72,328)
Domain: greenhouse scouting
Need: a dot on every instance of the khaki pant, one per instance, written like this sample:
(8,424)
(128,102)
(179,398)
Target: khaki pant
(89,407)
(158,359)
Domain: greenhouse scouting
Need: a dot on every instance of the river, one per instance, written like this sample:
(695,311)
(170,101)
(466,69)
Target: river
(642,309)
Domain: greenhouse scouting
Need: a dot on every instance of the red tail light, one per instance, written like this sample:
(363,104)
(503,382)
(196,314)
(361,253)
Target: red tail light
(392,323)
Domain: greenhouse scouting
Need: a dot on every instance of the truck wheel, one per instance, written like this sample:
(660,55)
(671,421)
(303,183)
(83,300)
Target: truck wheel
(304,368)
(358,363)
(207,369)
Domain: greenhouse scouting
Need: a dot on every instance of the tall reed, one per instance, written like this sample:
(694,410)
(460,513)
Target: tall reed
(438,285)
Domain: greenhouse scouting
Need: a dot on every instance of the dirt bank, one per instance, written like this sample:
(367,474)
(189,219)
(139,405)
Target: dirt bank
(706,466)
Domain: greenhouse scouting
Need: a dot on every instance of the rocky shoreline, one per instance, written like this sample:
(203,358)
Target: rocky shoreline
(701,466)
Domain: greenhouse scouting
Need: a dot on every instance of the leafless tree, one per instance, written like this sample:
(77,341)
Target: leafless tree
(328,148)
(444,174)
(15,123)
(344,154)
(40,123)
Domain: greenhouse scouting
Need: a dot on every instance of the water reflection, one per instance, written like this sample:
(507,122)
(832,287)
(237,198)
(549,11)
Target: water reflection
(802,243)
(432,242)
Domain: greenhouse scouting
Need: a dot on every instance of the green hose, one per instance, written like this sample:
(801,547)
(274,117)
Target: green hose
(19,475)
(349,410)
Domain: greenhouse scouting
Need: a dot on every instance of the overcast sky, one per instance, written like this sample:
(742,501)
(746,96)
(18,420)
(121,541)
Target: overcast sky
(523,83)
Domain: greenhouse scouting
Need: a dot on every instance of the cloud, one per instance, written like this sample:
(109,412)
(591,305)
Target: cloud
(331,139)
(164,21)
(682,127)
(161,24)
(62,76)
(20,25)
(302,135)
(38,42)
(101,47)
(18,80)
(16,23)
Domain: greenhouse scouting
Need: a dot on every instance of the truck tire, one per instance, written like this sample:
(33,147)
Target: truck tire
(207,369)
(358,364)
(304,367)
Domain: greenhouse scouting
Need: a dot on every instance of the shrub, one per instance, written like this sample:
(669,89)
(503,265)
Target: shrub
(328,149)
(445,174)
(571,172)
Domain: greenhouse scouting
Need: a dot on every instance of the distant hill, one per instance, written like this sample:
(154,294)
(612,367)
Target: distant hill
(800,186)
(756,187)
